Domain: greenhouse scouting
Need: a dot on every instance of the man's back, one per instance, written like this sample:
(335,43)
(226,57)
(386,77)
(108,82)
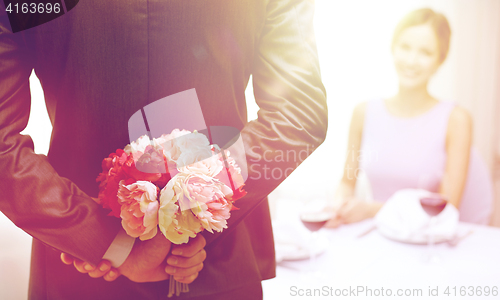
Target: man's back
(105,60)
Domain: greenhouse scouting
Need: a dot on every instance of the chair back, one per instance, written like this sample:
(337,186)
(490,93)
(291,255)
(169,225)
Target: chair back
(477,199)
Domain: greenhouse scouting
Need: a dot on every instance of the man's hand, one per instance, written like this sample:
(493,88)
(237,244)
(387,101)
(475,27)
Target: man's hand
(146,261)
(104,268)
(184,263)
(186,260)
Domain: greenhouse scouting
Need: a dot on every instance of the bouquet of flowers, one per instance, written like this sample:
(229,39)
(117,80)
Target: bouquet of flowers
(177,182)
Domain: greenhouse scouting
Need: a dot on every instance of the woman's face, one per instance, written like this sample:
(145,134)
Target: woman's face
(416,55)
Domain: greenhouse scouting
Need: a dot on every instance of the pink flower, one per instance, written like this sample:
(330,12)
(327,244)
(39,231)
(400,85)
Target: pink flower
(183,227)
(139,210)
(110,178)
(169,144)
(153,164)
(208,199)
(176,225)
(200,160)
(168,204)
(138,145)
(190,141)
(199,187)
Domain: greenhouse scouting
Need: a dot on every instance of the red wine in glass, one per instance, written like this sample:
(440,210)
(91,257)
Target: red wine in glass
(314,221)
(433,205)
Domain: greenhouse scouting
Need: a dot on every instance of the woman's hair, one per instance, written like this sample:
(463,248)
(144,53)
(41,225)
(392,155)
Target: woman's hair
(437,21)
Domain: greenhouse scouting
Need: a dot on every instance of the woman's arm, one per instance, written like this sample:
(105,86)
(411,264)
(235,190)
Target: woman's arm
(346,209)
(347,184)
(458,144)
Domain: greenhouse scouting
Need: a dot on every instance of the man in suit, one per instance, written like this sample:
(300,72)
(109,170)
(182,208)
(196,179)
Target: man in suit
(103,61)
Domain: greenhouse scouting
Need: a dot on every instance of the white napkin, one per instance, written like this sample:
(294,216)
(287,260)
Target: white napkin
(402,218)
(291,241)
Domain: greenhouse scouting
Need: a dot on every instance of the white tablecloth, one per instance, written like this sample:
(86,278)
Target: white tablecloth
(373,262)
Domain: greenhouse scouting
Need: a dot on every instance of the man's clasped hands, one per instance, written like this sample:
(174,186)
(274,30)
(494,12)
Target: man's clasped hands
(151,261)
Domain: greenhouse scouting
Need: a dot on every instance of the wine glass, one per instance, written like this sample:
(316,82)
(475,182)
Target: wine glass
(314,221)
(433,205)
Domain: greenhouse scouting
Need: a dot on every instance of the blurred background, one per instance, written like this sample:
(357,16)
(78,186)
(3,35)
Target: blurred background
(353,39)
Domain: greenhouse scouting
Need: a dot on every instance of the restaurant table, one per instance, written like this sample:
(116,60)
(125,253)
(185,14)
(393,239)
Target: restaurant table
(374,267)
(372,262)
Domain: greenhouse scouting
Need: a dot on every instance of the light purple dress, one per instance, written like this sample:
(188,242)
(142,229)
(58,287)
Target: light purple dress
(399,153)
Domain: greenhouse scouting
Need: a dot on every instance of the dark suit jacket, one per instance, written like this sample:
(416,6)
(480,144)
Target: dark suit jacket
(105,60)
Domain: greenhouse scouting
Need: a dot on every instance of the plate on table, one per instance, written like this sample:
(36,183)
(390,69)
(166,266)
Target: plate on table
(415,239)
(293,251)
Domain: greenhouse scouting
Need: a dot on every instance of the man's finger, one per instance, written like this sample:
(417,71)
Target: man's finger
(112,275)
(67,259)
(184,272)
(83,267)
(191,248)
(188,279)
(96,274)
(103,268)
(187,262)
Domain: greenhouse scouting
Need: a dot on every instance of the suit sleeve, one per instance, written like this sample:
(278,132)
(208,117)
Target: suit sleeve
(50,208)
(292,117)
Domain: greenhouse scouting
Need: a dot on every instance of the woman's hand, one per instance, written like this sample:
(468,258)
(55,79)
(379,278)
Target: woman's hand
(353,210)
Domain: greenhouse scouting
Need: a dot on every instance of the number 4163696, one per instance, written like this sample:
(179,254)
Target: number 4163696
(33,8)
(471,291)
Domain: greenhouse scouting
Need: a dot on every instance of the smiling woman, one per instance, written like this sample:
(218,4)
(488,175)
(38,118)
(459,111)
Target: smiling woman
(355,48)
(436,21)
(419,46)
(420,142)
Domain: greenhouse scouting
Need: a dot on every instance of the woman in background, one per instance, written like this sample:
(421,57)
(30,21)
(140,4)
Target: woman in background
(411,140)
